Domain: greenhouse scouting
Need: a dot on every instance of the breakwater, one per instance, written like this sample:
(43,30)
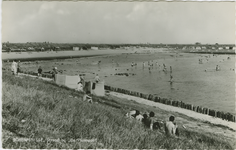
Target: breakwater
(203,110)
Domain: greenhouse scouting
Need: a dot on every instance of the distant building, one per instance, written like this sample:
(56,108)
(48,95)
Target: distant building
(75,48)
(198,48)
(30,48)
(94,48)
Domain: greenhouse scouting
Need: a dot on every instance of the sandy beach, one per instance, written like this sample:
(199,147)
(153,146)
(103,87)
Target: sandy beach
(142,81)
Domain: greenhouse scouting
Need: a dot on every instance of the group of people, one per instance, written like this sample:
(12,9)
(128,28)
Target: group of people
(149,121)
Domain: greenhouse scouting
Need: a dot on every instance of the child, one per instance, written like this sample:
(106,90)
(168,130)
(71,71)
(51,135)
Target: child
(80,86)
(87,98)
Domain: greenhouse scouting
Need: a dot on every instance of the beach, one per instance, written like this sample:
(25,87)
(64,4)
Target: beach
(194,83)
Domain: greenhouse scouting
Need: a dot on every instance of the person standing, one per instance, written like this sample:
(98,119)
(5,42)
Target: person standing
(18,67)
(40,70)
(54,72)
(171,78)
(97,79)
(14,67)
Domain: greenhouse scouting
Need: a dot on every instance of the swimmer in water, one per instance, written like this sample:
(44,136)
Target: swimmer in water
(149,68)
(171,78)
(132,64)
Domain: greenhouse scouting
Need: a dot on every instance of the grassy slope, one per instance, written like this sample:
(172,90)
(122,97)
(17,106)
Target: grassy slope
(51,113)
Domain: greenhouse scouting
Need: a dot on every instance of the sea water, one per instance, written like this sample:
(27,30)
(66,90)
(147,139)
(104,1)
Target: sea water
(193,82)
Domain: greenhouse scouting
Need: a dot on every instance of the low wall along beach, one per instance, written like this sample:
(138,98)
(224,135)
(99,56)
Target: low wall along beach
(225,116)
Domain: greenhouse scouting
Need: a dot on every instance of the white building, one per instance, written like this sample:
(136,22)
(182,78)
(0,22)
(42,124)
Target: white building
(94,48)
(75,48)
(198,48)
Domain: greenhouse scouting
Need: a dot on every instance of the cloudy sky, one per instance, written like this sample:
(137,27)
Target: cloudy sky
(119,22)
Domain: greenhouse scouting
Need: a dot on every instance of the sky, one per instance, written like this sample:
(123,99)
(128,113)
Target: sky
(118,22)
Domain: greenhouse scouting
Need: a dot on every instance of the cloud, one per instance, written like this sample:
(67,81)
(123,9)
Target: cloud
(120,22)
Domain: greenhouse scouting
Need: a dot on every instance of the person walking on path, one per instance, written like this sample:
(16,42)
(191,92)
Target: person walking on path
(40,70)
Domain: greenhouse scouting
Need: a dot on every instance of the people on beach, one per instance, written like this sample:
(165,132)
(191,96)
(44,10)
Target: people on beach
(150,121)
(156,65)
(132,64)
(171,128)
(54,72)
(170,69)
(217,68)
(82,79)
(200,61)
(14,67)
(80,86)
(171,78)
(18,67)
(88,98)
(132,114)
(149,68)
(164,67)
(40,70)
(97,79)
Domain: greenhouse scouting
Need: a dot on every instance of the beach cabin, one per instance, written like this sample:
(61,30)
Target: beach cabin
(72,83)
(75,48)
(220,48)
(94,48)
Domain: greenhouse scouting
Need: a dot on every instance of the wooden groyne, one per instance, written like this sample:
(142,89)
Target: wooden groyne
(203,110)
